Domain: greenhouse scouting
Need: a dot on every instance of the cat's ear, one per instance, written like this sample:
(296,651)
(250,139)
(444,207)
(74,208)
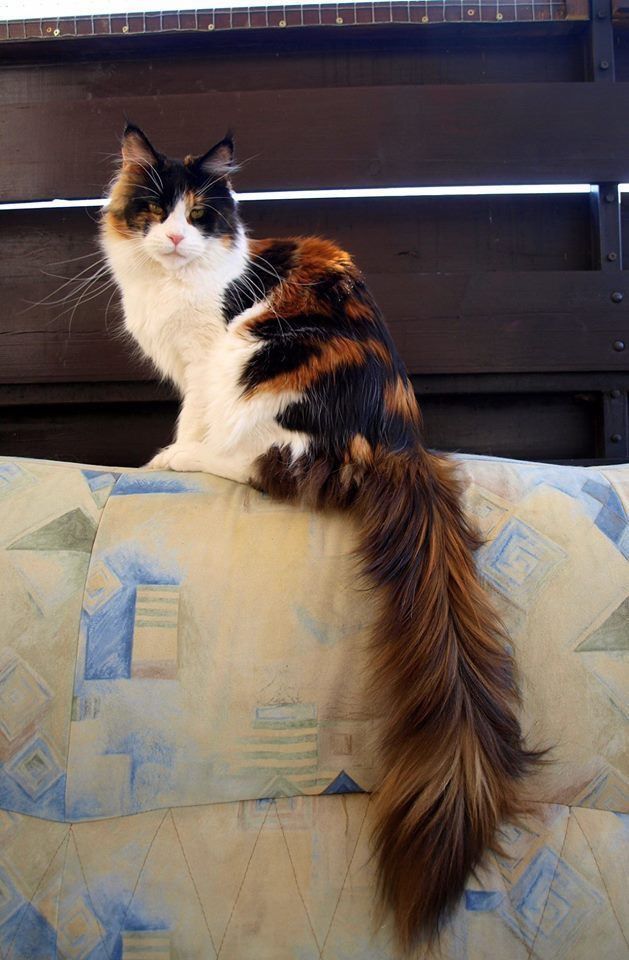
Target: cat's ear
(219,160)
(136,148)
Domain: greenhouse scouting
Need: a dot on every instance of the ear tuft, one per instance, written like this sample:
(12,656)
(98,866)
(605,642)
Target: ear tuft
(219,160)
(136,148)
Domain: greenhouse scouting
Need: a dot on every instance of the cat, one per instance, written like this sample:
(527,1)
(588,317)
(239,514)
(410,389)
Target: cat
(290,381)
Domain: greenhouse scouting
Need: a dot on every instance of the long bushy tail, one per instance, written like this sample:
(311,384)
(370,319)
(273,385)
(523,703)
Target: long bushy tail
(452,750)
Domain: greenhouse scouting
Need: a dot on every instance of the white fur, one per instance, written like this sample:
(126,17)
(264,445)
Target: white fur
(172,308)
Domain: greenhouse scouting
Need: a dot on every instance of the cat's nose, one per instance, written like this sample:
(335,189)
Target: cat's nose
(175,237)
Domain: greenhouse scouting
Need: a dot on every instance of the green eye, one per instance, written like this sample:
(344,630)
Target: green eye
(196,213)
(156,209)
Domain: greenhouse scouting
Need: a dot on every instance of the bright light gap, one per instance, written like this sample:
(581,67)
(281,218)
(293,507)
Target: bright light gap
(366,193)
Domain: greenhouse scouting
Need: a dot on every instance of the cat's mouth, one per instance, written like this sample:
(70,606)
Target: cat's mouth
(174,259)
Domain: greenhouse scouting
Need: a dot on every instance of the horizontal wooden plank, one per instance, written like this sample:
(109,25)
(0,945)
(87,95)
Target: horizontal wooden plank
(494,133)
(432,234)
(507,322)
(155,391)
(151,392)
(528,427)
(322,56)
(451,323)
(531,426)
(122,435)
(108,393)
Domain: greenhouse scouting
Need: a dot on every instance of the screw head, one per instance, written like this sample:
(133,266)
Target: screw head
(600,15)
(610,197)
(619,345)
(604,64)
(616,437)
(612,256)
(617,296)
(615,394)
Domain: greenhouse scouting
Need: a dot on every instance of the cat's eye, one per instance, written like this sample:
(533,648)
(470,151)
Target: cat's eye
(196,213)
(156,209)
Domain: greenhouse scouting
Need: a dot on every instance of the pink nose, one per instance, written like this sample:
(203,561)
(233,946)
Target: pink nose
(175,237)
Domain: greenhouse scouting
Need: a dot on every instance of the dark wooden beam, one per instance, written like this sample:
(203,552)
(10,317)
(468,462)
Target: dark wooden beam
(445,135)
(451,323)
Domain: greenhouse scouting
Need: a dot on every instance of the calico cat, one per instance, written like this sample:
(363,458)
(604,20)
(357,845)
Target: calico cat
(290,381)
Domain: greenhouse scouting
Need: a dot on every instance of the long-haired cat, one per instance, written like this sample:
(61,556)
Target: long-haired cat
(290,381)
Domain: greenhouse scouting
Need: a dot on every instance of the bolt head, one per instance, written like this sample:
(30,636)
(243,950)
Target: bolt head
(617,296)
(612,256)
(619,345)
(616,437)
(610,197)
(604,64)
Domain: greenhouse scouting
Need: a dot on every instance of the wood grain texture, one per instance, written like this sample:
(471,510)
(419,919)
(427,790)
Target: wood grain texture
(530,426)
(448,135)
(494,302)
(437,267)
(449,323)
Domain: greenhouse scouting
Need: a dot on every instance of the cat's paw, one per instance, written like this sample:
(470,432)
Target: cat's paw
(161,460)
(187,457)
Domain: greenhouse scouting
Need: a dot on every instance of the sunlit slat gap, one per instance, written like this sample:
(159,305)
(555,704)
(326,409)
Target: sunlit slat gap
(366,193)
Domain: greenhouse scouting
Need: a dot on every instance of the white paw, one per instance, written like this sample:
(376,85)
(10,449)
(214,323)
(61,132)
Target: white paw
(187,457)
(162,460)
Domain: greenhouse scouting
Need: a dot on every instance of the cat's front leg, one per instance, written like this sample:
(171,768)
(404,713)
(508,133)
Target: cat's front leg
(191,429)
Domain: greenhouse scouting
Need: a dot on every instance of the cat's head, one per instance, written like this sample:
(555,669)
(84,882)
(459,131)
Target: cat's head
(172,211)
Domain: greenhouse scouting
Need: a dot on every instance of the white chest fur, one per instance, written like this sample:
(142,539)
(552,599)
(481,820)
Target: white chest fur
(172,324)
(177,321)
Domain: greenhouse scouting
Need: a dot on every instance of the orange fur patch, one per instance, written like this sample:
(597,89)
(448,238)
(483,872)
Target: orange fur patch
(130,177)
(360,449)
(334,353)
(399,398)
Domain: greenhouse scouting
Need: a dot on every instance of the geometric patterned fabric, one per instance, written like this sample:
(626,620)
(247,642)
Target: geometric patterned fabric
(186,746)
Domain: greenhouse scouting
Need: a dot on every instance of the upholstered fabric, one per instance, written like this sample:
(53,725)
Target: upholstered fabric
(186,748)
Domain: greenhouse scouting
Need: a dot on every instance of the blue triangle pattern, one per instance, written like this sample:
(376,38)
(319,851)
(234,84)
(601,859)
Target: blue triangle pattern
(342,784)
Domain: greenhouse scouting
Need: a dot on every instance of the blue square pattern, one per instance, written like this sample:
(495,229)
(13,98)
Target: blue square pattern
(482,901)
(34,768)
(611,519)
(520,561)
(109,609)
(550,903)
(10,898)
(13,478)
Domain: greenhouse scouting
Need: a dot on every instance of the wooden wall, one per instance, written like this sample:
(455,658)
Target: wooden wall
(511,312)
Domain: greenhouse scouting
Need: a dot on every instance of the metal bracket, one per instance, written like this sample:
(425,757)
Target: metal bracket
(616,425)
(607,240)
(602,61)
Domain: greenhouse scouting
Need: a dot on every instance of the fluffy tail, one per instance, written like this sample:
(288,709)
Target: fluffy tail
(452,750)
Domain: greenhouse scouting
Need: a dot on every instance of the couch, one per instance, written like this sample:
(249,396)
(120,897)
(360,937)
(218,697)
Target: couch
(186,748)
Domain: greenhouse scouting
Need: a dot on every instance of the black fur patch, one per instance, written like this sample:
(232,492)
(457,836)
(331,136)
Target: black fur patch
(346,402)
(280,355)
(168,181)
(260,277)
